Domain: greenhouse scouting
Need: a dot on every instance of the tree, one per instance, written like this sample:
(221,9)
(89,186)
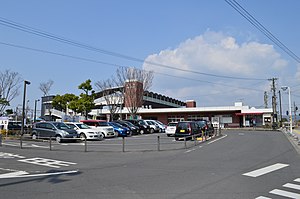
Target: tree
(86,100)
(62,102)
(111,93)
(9,88)
(135,82)
(45,87)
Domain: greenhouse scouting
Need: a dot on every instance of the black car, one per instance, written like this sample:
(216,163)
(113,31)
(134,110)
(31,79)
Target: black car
(144,128)
(135,130)
(186,129)
(206,127)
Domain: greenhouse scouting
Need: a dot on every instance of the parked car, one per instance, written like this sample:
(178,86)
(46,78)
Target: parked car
(186,129)
(102,126)
(171,128)
(153,126)
(121,130)
(85,132)
(144,128)
(162,127)
(135,130)
(206,127)
(58,130)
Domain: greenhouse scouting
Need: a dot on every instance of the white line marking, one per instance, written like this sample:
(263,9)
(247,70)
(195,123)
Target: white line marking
(47,162)
(188,151)
(262,197)
(37,146)
(265,170)
(297,180)
(7,144)
(23,174)
(10,155)
(285,193)
(292,186)
(217,139)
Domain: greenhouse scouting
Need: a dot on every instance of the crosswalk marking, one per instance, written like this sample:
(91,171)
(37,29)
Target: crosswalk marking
(265,170)
(285,193)
(262,197)
(47,162)
(292,186)
(297,180)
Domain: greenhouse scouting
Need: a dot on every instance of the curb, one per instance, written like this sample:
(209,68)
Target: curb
(293,140)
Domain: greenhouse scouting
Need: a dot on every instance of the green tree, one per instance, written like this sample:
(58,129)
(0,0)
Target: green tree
(62,102)
(86,101)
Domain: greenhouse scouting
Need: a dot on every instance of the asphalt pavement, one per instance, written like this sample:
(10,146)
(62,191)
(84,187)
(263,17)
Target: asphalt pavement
(240,164)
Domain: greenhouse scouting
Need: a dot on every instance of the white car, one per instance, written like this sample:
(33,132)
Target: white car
(102,126)
(171,128)
(153,126)
(162,127)
(85,132)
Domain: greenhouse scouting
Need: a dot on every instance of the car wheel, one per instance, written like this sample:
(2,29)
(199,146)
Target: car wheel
(34,137)
(168,135)
(58,138)
(103,135)
(141,132)
(82,136)
(151,131)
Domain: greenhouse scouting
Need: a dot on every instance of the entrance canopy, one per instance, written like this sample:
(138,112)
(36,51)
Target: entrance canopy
(250,113)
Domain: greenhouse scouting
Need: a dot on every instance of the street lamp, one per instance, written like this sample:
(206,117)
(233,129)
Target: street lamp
(23,108)
(35,102)
(284,88)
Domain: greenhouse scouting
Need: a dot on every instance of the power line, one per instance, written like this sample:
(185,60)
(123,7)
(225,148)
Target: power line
(34,31)
(116,65)
(262,28)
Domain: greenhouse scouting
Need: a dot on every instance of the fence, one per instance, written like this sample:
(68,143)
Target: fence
(124,144)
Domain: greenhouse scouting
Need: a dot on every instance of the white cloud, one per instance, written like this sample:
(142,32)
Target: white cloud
(218,54)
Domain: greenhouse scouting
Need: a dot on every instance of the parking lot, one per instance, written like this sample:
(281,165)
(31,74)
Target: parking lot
(146,142)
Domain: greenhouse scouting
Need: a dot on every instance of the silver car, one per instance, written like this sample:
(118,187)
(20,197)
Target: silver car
(58,130)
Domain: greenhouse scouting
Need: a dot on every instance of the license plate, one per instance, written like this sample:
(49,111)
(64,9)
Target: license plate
(182,131)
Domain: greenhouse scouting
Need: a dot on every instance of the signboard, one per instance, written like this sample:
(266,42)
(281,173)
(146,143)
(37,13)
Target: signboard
(3,123)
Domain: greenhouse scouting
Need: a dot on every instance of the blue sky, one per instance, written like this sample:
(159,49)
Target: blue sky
(207,36)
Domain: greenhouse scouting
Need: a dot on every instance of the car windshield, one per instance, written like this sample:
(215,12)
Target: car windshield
(201,123)
(142,122)
(117,125)
(83,126)
(129,124)
(61,126)
(103,124)
(172,124)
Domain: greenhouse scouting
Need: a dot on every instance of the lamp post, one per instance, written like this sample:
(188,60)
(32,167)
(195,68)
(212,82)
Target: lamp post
(35,102)
(23,108)
(284,88)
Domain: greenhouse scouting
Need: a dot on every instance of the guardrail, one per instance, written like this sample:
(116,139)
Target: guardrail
(126,144)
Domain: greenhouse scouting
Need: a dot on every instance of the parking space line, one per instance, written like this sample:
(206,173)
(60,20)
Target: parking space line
(265,170)
(285,193)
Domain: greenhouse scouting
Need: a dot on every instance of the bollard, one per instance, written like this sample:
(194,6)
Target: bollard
(50,143)
(185,143)
(123,144)
(195,140)
(21,142)
(85,145)
(0,139)
(158,143)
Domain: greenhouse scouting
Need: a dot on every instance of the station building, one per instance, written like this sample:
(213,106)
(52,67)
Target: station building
(167,109)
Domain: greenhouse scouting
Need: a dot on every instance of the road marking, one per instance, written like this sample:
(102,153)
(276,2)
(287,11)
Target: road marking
(10,155)
(24,174)
(38,146)
(297,180)
(292,186)
(285,193)
(262,197)
(47,162)
(217,139)
(188,151)
(265,170)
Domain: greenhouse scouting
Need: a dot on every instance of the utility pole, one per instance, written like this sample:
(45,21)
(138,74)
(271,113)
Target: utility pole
(274,105)
(280,107)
